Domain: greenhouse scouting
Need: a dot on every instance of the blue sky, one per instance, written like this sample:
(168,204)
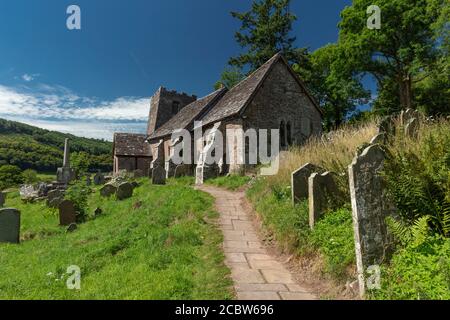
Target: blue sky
(97,80)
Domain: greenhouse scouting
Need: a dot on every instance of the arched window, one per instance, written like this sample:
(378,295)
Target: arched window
(282,134)
(289,133)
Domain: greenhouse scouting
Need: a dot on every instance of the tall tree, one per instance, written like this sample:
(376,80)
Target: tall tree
(399,52)
(337,91)
(265,30)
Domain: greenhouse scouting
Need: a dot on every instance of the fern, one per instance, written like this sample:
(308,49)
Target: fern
(415,234)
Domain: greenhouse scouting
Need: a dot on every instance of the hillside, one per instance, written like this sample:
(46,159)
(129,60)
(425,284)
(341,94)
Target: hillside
(30,147)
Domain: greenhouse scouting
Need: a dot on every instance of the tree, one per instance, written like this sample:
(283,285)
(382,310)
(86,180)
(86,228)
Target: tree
(80,161)
(264,32)
(337,91)
(229,78)
(399,52)
(10,176)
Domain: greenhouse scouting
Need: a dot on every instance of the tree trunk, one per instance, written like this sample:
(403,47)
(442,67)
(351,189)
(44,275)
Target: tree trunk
(405,88)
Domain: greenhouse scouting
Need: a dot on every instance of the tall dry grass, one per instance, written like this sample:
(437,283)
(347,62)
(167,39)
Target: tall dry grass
(333,151)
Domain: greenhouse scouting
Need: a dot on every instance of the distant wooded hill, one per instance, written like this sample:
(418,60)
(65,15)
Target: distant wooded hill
(30,147)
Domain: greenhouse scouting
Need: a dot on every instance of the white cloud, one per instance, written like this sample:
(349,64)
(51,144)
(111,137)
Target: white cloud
(58,108)
(29,77)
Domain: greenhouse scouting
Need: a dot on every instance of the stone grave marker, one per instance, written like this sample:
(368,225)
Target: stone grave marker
(99,179)
(124,191)
(108,190)
(322,190)
(299,181)
(412,128)
(9,225)
(67,213)
(54,198)
(370,207)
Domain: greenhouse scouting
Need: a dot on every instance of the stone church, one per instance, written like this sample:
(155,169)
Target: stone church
(272,97)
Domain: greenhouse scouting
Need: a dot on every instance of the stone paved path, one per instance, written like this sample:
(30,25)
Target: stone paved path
(256,274)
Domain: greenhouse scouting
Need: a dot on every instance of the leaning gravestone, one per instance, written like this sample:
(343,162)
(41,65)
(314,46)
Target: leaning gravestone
(370,207)
(108,190)
(159,175)
(299,181)
(99,179)
(67,213)
(2,199)
(322,190)
(412,128)
(9,225)
(124,191)
(54,198)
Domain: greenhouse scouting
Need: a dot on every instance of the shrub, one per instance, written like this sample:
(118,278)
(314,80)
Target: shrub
(417,272)
(417,174)
(79,193)
(10,176)
(30,176)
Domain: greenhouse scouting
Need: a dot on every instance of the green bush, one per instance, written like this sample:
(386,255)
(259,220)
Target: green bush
(10,176)
(418,176)
(333,236)
(79,194)
(30,176)
(417,273)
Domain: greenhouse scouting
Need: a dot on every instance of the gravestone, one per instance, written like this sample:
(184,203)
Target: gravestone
(88,181)
(407,115)
(299,181)
(183,170)
(380,138)
(124,191)
(28,192)
(9,225)
(158,165)
(108,190)
(72,227)
(387,126)
(412,128)
(138,173)
(2,199)
(207,168)
(322,190)
(370,207)
(99,179)
(54,198)
(65,174)
(67,213)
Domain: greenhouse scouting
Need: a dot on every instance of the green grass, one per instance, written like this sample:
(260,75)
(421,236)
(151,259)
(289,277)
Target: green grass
(231,182)
(156,245)
(46,177)
(332,236)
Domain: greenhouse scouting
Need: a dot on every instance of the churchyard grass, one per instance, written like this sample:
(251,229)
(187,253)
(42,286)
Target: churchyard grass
(231,182)
(156,245)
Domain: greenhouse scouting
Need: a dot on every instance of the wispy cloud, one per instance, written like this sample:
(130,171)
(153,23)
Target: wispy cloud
(58,108)
(29,77)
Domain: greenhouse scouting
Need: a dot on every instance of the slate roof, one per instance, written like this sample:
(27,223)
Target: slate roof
(238,97)
(131,144)
(187,115)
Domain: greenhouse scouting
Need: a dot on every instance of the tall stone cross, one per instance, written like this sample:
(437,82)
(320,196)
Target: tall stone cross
(66,161)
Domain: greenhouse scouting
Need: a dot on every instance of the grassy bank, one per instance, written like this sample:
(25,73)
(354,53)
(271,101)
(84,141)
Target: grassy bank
(232,182)
(418,180)
(156,245)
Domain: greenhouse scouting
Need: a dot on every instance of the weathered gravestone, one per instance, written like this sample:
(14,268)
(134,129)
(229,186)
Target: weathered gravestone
(99,179)
(387,126)
(183,170)
(9,225)
(2,199)
(124,191)
(299,181)
(108,190)
(380,138)
(322,191)
(54,198)
(158,165)
(412,128)
(139,173)
(88,180)
(67,213)
(65,174)
(370,207)
(407,115)
(207,167)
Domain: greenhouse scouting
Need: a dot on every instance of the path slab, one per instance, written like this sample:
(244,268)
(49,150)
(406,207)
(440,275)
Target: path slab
(257,275)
